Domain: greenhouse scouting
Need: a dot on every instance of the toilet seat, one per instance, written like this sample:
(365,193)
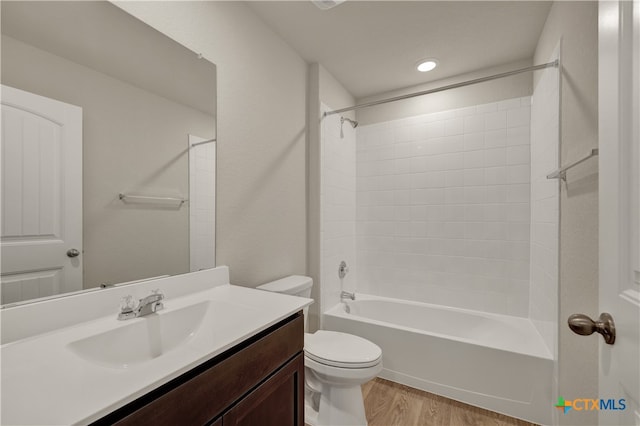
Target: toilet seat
(341,350)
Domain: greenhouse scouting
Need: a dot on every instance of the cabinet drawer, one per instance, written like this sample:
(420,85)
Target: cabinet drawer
(207,395)
(278,401)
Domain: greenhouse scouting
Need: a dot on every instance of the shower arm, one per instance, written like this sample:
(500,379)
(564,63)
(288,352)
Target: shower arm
(353,123)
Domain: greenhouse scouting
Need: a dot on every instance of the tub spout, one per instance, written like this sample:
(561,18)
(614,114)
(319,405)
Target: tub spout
(347,295)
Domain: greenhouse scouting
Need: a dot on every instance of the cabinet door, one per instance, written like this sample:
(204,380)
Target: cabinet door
(277,402)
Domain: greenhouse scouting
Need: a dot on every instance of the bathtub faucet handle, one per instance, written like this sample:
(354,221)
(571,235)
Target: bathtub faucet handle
(343,269)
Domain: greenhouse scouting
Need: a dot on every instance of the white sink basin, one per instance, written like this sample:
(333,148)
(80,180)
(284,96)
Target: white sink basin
(142,339)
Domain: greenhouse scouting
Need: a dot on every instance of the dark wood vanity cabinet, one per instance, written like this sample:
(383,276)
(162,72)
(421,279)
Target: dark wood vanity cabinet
(276,402)
(258,382)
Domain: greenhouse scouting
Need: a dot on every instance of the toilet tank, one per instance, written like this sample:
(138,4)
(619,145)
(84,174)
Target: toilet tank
(295,285)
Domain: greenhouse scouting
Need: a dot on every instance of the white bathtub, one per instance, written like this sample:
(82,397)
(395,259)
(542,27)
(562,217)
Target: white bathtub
(492,361)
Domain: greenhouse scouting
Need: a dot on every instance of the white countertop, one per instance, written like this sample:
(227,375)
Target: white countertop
(45,383)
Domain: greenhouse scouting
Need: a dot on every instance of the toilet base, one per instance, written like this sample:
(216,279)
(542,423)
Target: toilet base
(339,406)
(310,415)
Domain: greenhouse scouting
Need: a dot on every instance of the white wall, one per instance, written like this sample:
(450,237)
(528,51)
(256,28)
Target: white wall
(261,180)
(443,207)
(545,215)
(202,204)
(576,24)
(331,173)
(338,200)
(545,212)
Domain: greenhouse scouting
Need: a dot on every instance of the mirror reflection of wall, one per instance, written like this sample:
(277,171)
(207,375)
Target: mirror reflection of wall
(202,203)
(141,95)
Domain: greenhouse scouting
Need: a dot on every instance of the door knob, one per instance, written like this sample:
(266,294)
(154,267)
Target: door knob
(583,325)
(73,252)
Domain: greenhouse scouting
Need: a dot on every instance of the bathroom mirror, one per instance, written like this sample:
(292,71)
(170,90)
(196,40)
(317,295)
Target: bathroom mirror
(134,196)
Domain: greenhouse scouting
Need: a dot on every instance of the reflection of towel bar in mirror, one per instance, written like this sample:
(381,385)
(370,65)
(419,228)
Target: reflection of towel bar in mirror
(203,142)
(561,173)
(128,198)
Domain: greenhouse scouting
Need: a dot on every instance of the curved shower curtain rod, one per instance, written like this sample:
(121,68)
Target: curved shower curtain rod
(443,88)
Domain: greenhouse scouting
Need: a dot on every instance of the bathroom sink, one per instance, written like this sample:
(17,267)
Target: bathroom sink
(142,339)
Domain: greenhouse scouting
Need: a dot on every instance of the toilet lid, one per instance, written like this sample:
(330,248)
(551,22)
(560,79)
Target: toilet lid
(341,349)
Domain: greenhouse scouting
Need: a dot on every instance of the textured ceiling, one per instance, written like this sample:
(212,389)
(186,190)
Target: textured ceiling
(372,47)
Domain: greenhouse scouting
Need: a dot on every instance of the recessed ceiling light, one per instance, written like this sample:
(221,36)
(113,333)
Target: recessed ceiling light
(427,65)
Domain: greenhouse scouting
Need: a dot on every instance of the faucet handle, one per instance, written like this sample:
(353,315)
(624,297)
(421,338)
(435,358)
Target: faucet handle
(127,303)
(343,269)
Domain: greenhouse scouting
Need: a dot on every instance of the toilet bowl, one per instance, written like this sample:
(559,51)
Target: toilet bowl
(336,365)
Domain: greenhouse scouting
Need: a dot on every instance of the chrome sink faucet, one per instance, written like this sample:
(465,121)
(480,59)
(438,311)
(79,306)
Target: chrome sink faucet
(145,306)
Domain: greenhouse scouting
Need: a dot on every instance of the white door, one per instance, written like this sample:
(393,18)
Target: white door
(619,98)
(41,196)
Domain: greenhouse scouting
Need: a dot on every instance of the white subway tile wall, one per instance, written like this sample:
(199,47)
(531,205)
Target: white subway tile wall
(338,208)
(545,207)
(442,206)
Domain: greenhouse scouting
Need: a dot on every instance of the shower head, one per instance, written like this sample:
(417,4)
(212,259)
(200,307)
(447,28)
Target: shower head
(353,123)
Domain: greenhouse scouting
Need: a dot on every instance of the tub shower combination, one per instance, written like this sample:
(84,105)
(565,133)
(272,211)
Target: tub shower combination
(450,208)
(493,361)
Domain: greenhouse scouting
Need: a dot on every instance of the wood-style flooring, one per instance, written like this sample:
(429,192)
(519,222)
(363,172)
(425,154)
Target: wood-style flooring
(391,404)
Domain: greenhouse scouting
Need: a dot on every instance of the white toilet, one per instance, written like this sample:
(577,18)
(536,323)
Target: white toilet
(336,365)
